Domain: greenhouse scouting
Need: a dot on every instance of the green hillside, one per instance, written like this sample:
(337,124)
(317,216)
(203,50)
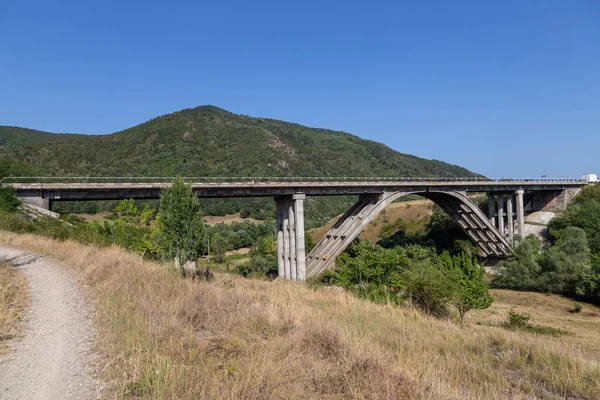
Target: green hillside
(208,141)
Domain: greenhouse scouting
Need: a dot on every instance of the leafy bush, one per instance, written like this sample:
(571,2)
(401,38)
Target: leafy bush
(8,201)
(428,288)
(413,273)
(374,273)
(471,289)
(260,266)
(517,321)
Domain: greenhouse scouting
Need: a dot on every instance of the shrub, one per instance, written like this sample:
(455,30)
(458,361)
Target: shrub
(471,290)
(576,308)
(429,288)
(8,201)
(517,321)
(260,266)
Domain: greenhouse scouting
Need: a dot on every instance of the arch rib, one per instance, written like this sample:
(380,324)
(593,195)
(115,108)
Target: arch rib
(469,217)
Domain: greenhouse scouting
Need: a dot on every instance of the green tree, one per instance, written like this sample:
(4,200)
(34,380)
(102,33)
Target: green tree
(521,271)
(471,290)
(180,223)
(584,214)
(566,264)
(219,246)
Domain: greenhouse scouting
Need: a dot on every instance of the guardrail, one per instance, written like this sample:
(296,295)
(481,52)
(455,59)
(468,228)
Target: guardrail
(6,181)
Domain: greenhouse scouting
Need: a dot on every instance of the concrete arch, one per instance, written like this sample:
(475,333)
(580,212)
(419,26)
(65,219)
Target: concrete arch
(468,216)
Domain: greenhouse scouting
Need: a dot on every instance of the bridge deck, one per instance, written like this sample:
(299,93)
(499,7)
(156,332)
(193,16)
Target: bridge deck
(259,188)
(149,190)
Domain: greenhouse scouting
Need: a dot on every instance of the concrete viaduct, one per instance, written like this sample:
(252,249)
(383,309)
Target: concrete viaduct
(508,201)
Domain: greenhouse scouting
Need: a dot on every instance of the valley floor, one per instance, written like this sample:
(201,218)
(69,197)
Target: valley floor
(166,337)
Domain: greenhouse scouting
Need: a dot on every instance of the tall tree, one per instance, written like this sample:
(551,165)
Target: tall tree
(180,224)
(471,290)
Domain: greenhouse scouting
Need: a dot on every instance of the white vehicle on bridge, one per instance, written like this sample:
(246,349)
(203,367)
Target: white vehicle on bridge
(590,178)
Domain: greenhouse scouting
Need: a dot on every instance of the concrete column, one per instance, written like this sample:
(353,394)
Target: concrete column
(501,214)
(520,213)
(509,217)
(300,244)
(292,240)
(279,207)
(286,244)
(492,208)
(291,252)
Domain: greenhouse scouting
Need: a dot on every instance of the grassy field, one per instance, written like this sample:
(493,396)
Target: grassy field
(165,337)
(13,301)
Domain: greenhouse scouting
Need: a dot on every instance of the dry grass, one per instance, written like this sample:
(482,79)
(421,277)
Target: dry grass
(164,337)
(583,329)
(13,301)
(229,219)
(409,210)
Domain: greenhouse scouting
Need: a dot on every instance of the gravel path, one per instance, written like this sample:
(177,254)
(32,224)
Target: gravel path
(52,359)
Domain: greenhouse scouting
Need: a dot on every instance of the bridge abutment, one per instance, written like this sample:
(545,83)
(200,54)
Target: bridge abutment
(37,201)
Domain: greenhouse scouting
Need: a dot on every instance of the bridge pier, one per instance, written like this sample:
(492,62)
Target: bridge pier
(510,223)
(504,218)
(520,212)
(501,214)
(491,208)
(291,257)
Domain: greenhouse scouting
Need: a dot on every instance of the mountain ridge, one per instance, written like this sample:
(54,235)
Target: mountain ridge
(210,141)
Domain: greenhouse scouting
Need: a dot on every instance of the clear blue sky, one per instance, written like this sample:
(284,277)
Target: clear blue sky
(505,88)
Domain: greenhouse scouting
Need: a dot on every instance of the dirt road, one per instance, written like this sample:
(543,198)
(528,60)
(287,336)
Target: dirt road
(52,358)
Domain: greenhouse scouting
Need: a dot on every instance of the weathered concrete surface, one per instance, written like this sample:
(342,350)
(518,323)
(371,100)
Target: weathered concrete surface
(116,191)
(35,210)
(35,199)
(291,257)
(537,222)
(552,200)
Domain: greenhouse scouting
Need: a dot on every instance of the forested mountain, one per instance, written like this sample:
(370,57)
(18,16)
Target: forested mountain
(209,141)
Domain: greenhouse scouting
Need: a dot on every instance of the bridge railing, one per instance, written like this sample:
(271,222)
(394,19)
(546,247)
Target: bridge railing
(269,179)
